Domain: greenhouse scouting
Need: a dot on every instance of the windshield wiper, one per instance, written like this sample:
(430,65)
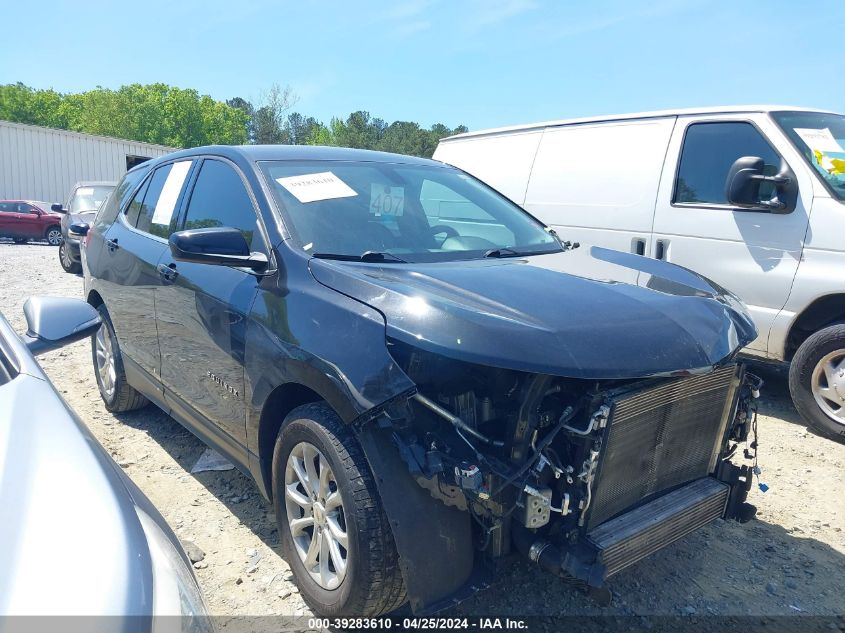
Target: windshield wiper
(366,256)
(501,252)
(380,256)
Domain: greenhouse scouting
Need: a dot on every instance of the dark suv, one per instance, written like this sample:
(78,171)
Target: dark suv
(417,372)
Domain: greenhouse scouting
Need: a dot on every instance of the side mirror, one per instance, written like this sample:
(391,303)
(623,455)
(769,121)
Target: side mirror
(78,229)
(748,187)
(53,322)
(57,207)
(221,246)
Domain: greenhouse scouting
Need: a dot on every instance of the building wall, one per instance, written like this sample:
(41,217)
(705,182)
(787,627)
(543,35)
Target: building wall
(39,163)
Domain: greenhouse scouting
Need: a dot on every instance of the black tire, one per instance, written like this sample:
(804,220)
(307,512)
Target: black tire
(20,240)
(53,235)
(68,265)
(373,582)
(124,397)
(828,341)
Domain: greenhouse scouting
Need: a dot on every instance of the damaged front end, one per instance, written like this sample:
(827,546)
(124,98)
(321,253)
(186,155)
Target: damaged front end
(584,477)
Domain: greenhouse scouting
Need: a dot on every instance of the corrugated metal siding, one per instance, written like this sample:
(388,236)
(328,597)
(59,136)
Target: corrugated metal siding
(39,163)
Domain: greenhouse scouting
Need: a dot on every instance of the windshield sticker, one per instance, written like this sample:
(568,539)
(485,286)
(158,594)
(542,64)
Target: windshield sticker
(170,193)
(828,152)
(316,187)
(386,200)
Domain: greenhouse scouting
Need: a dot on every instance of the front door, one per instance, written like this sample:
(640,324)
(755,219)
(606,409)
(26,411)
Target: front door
(202,310)
(752,252)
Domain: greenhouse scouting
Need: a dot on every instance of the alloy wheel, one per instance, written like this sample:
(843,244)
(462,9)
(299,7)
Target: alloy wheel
(828,385)
(316,516)
(54,237)
(65,255)
(106,372)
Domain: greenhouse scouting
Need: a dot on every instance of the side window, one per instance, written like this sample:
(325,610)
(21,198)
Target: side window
(219,198)
(134,209)
(708,153)
(156,212)
(23,207)
(118,198)
(7,207)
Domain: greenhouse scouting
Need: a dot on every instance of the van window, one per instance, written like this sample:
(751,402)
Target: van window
(219,198)
(709,151)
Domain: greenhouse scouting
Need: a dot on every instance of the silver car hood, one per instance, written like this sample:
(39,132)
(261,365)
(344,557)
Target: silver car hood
(70,538)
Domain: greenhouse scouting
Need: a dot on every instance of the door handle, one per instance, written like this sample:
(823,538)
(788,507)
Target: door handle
(661,249)
(168,272)
(112,245)
(638,246)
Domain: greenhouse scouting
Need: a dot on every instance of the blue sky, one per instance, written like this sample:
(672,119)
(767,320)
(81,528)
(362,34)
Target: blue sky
(482,63)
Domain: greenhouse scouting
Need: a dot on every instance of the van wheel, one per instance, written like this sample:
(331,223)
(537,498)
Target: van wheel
(53,235)
(817,381)
(117,394)
(334,533)
(68,265)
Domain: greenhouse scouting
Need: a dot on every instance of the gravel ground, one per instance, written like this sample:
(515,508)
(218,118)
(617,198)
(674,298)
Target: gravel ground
(787,561)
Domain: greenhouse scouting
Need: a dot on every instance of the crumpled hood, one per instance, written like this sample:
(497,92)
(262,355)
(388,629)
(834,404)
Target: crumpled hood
(631,317)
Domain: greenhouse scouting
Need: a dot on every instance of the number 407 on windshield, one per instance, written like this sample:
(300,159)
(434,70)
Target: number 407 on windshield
(386,200)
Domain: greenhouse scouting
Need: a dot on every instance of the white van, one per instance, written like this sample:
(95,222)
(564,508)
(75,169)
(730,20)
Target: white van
(752,197)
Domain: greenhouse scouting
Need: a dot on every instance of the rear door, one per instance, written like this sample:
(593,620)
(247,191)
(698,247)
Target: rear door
(7,218)
(202,313)
(597,183)
(29,221)
(751,252)
(132,247)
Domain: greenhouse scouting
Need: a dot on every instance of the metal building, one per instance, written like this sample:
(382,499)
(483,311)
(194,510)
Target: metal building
(41,163)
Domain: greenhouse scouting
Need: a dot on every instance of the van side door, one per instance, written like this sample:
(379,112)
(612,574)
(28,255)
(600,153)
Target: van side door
(596,183)
(752,252)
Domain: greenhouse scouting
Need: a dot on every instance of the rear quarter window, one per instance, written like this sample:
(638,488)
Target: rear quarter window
(119,198)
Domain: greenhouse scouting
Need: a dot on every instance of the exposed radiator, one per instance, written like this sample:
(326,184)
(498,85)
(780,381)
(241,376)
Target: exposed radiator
(631,537)
(661,438)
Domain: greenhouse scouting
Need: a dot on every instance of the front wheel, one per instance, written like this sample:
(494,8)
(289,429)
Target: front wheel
(335,535)
(817,381)
(68,265)
(117,394)
(53,235)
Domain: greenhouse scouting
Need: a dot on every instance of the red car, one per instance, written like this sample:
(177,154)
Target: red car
(24,220)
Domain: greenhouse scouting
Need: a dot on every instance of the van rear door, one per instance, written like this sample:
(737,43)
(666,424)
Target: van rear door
(596,183)
(752,252)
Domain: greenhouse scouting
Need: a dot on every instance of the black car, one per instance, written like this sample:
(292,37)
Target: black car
(416,371)
(82,204)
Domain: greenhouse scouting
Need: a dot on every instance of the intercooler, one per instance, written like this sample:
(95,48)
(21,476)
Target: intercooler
(660,438)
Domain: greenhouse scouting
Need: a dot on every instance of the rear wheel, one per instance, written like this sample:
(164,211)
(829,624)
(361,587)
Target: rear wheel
(65,260)
(817,381)
(53,235)
(117,394)
(335,535)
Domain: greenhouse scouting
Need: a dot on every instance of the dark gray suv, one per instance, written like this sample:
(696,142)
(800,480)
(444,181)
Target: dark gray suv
(418,373)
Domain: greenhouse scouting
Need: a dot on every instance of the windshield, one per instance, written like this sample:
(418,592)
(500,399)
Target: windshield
(821,139)
(89,198)
(393,212)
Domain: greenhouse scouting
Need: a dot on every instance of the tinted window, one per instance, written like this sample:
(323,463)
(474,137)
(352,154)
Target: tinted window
(134,209)
(7,207)
(23,207)
(219,198)
(118,199)
(156,212)
(710,150)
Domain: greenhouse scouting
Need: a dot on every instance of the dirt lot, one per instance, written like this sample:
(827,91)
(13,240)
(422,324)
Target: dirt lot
(790,560)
